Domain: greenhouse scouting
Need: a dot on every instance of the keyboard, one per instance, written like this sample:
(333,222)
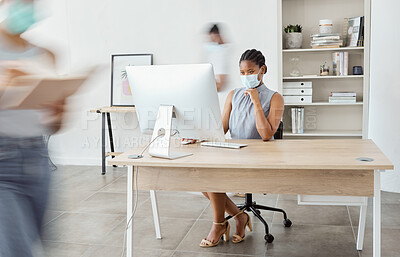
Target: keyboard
(223,145)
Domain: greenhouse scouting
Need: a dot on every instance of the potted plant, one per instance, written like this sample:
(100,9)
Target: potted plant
(293,36)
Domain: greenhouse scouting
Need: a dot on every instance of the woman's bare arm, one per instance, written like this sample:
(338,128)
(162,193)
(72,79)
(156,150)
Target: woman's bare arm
(226,114)
(266,126)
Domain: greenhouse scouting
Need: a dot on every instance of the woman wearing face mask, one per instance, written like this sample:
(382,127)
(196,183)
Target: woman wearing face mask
(251,112)
(24,167)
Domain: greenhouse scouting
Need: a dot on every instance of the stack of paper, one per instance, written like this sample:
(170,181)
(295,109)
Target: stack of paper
(332,40)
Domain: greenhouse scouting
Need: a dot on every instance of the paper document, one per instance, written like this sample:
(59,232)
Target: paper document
(33,92)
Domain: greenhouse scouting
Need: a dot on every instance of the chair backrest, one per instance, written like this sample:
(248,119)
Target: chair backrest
(279,131)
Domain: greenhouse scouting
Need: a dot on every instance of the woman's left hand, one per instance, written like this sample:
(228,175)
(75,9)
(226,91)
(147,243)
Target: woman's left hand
(55,116)
(253,95)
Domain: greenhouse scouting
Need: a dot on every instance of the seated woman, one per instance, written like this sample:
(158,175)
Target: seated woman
(251,112)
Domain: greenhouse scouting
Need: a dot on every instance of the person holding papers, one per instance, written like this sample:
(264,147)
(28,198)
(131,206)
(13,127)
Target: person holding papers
(24,168)
(251,112)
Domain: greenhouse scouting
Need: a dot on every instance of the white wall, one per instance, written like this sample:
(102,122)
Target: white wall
(88,32)
(384,121)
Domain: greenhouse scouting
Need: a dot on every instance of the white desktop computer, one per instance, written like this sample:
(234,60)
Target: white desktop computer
(179,98)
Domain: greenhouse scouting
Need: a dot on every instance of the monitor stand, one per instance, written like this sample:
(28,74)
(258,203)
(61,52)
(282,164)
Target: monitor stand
(161,146)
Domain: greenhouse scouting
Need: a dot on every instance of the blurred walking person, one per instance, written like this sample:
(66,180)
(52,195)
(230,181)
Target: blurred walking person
(24,169)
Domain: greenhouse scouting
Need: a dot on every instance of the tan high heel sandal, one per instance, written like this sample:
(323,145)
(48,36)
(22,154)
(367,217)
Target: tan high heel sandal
(236,238)
(205,243)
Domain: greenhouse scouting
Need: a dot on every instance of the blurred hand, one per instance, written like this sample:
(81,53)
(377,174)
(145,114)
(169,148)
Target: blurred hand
(186,141)
(253,95)
(10,70)
(56,113)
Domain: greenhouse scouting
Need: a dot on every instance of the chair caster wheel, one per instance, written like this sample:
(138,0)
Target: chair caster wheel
(287,223)
(269,238)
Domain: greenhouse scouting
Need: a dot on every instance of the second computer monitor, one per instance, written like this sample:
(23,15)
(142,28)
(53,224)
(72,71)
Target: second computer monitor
(190,88)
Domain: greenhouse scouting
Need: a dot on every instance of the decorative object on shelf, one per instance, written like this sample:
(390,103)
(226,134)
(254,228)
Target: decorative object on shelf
(121,94)
(331,40)
(325,26)
(297,120)
(342,97)
(297,92)
(324,70)
(340,63)
(293,36)
(354,31)
(357,70)
(295,72)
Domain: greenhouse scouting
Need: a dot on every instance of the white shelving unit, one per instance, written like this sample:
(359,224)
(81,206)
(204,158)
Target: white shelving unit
(329,119)
(325,104)
(324,77)
(323,50)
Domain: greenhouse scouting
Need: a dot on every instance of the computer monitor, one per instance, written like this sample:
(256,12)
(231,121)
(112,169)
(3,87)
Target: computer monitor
(176,97)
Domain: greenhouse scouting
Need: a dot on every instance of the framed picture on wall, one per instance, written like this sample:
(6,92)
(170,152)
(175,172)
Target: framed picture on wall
(121,94)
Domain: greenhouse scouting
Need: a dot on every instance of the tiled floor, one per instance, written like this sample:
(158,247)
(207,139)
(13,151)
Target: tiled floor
(86,218)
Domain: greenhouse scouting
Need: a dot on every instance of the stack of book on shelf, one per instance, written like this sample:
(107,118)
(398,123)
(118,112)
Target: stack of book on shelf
(340,63)
(332,40)
(353,31)
(342,97)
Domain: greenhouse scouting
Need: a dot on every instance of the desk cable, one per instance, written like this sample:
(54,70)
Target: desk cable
(137,190)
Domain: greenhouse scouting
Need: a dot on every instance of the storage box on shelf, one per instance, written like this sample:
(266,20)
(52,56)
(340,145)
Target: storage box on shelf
(297,92)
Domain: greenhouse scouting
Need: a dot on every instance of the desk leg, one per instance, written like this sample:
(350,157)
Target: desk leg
(110,134)
(377,214)
(156,217)
(129,211)
(103,143)
(361,227)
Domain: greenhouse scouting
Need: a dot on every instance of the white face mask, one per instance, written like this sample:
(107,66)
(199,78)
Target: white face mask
(250,81)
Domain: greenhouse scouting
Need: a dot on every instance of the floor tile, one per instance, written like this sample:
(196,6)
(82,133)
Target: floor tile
(390,215)
(173,231)
(312,241)
(203,254)
(55,249)
(85,179)
(64,200)
(390,243)
(175,205)
(112,251)
(81,228)
(51,215)
(254,244)
(104,202)
(316,215)
(118,186)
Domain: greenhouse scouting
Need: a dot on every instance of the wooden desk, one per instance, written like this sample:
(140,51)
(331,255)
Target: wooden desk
(308,167)
(107,110)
